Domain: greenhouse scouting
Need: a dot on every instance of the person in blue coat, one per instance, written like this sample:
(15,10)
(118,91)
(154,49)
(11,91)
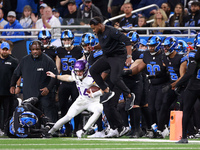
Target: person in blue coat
(12,24)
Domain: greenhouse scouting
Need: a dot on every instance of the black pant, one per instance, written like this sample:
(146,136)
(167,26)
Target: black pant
(155,98)
(189,99)
(66,90)
(116,65)
(8,106)
(111,112)
(47,105)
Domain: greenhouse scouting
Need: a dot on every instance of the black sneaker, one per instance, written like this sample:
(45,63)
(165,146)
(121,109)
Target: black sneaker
(130,102)
(184,141)
(137,134)
(31,100)
(158,135)
(123,131)
(106,96)
(150,133)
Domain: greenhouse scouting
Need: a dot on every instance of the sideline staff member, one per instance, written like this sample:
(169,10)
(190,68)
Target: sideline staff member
(7,65)
(33,68)
(117,50)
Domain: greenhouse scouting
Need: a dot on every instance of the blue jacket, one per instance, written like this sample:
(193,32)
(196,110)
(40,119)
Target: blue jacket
(15,25)
(144,3)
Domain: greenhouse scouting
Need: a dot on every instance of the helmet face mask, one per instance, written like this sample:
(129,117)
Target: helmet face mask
(170,44)
(67,42)
(181,47)
(154,41)
(197,41)
(81,69)
(45,42)
(67,34)
(87,39)
(134,38)
(28,119)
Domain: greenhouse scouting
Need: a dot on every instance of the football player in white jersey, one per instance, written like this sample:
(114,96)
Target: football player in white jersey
(85,101)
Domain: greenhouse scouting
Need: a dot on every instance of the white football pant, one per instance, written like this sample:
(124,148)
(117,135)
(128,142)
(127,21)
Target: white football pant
(76,108)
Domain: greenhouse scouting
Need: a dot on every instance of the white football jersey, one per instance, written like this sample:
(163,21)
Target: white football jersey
(84,84)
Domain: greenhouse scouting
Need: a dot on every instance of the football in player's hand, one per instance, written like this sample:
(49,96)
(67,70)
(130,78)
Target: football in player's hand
(93,89)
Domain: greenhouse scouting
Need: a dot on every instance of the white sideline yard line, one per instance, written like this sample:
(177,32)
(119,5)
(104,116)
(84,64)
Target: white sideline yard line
(155,148)
(107,139)
(131,140)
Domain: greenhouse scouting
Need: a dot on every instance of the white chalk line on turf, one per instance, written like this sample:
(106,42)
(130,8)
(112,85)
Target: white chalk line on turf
(87,144)
(131,140)
(158,148)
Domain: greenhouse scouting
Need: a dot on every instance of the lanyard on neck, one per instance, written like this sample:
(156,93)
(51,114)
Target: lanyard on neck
(47,21)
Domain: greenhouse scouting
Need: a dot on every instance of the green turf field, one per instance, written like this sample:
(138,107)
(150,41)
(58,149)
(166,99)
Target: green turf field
(95,144)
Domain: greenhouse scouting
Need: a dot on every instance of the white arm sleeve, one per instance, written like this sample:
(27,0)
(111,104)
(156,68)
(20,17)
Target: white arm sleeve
(109,3)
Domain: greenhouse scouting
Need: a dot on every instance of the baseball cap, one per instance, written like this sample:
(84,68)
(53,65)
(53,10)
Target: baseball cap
(43,5)
(5,45)
(71,1)
(11,13)
(88,0)
(54,10)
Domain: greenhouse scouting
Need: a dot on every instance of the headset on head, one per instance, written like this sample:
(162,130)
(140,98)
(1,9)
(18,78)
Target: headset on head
(94,21)
(36,41)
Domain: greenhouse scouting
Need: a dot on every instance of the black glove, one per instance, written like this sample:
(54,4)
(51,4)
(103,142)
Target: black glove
(166,88)
(150,76)
(126,72)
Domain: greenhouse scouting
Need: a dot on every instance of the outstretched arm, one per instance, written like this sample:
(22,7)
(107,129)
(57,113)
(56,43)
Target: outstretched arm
(66,77)
(138,66)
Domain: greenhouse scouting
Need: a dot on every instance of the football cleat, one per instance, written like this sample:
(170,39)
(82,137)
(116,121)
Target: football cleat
(165,132)
(97,135)
(112,133)
(130,102)
(80,133)
(158,134)
(123,131)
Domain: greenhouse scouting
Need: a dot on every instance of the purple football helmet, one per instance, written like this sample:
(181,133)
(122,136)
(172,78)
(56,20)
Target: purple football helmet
(81,65)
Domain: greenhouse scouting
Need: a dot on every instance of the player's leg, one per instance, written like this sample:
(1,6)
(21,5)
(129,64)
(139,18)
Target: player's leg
(168,99)
(74,110)
(97,109)
(189,100)
(151,103)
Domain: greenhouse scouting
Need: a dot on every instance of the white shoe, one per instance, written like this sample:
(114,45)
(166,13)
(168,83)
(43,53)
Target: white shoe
(165,132)
(1,133)
(19,101)
(80,133)
(128,129)
(98,135)
(112,133)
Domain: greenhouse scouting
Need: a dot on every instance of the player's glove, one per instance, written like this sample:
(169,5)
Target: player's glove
(166,88)
(95,94)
